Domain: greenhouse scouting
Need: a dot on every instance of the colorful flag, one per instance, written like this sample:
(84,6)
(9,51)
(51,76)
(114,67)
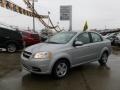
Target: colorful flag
(85,26)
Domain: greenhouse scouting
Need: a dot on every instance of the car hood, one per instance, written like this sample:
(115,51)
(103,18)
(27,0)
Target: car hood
(44,47)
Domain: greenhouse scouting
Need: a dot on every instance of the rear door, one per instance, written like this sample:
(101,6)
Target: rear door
(3,36)
(96,45)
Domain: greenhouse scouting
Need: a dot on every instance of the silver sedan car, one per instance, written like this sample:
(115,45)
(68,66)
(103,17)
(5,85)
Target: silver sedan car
(65,50)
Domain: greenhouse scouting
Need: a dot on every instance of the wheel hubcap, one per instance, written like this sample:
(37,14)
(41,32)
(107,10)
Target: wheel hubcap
(104,58)
(61,69)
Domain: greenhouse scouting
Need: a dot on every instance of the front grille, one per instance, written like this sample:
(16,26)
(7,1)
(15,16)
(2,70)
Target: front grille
(27,54)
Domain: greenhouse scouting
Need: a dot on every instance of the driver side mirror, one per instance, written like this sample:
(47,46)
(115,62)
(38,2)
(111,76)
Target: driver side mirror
(78,43)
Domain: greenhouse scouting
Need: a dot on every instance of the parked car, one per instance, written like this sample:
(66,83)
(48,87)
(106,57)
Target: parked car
(30,38)
(65,50)
(44,38)
(108,35)
(11,40)
(117,39)
(112,37)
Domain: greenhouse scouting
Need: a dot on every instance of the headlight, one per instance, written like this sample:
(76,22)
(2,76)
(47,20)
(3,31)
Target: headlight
(43,55)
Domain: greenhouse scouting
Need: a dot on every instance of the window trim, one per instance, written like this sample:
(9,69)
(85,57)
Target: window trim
(92,38)
(83,33)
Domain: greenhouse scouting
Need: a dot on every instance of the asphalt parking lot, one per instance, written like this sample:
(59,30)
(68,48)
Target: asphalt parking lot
(90,76)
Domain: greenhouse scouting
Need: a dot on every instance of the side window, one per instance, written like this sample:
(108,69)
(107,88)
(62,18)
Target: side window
(96,37)
(84,37)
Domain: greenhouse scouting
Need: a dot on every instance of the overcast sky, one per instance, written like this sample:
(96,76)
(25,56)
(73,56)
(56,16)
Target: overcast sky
(98,13)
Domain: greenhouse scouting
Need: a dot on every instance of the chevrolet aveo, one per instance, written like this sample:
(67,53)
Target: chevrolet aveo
(65,50)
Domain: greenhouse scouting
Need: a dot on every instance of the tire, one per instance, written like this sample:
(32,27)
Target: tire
(11,48)
(60,69)
(104,58)
(113,43)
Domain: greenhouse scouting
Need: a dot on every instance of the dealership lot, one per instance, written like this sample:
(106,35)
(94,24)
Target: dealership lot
(86,77)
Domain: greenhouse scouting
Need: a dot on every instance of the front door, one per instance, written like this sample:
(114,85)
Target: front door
(81,54)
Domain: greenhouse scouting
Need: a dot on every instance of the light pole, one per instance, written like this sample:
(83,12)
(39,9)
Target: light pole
(63,29)
(70,21)
(48,17)
(33,4)
(58,23)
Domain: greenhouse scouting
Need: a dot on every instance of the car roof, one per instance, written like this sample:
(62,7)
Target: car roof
(80,31)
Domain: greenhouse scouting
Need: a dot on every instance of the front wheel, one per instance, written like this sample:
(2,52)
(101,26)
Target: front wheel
(11,48)
(60,69)
(104,59)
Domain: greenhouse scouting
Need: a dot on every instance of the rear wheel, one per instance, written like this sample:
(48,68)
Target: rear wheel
(103,59)
(11,48)
(60,69)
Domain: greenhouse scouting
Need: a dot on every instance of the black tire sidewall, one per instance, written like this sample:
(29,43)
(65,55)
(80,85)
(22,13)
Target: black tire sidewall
(101,60)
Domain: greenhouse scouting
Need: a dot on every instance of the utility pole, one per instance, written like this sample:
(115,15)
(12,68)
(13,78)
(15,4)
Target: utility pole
(33,4)
(28,28)
(48,17)
(58,23)
(70,19)
(70,23)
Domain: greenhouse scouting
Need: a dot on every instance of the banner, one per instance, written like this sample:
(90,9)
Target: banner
(8,5)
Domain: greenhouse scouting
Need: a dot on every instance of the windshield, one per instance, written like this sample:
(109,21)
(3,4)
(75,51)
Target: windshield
(61,38)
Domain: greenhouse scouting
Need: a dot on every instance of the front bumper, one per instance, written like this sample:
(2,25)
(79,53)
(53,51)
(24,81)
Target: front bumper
(36,66)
